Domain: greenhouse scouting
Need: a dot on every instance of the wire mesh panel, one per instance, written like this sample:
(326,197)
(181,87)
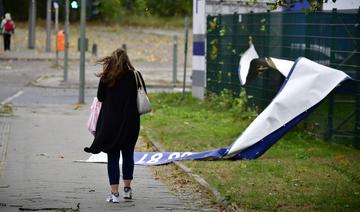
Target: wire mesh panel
(329,38)
(222,72)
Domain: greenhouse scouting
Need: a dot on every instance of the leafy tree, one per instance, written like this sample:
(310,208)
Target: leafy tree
(314,4)
(164,8)
(111,9)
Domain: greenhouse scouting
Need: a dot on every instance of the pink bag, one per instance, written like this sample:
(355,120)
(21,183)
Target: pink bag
(94,115)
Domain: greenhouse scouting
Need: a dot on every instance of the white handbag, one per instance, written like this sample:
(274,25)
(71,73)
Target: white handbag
(143,103)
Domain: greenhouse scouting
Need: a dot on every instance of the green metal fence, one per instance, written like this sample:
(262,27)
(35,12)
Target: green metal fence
(329,38)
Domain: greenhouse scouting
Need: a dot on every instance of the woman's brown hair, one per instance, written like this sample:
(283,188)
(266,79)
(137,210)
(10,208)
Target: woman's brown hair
(114,66)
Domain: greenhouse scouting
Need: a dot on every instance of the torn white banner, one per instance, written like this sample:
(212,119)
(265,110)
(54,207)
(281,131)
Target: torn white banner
(244,64)
(283,66)
(307,84)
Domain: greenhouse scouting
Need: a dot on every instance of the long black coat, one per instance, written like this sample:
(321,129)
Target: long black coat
(119,120)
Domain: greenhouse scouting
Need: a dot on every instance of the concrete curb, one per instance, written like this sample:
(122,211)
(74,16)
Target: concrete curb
(69,85)
(201,181)
(65,86)
(4,138)
(38,59)
(41,56)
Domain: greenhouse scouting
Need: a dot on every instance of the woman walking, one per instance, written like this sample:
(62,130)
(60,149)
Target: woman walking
(7,29)
(118,124)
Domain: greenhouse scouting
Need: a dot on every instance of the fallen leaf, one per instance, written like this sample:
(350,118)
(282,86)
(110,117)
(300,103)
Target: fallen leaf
(42,154)
(339,157)
(77,107)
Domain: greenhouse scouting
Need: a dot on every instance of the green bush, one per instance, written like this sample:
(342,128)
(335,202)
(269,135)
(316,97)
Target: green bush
(226,101)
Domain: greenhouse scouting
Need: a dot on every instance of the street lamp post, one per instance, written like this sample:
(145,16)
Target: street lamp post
(48,26)
(66,50)
(82,51)
(56,6)
(32,23)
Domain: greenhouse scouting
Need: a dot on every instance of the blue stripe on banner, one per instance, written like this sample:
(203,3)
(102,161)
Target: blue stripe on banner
(199,48)
(157,158)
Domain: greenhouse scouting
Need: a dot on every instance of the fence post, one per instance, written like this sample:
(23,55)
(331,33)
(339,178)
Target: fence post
(357,105)
(185,52)
(331,96)
(175,60)
(66,30)
(251,27)
(308,39)
(219,66)
(267,33)
(266,75)
(235,86)
(124,46)
(357,123)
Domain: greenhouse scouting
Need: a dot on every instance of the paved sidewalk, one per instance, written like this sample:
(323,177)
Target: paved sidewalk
(39,144)
(39,171)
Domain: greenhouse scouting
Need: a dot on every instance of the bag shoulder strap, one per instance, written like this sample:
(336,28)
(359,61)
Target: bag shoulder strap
(136,79)
(139,80)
